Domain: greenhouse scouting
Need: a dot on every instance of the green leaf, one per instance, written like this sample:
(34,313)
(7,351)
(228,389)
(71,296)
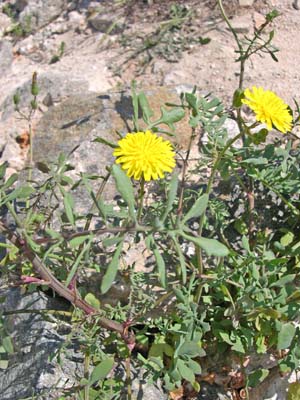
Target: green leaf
(287,239)
(77,241)
(225,337)
(159,349)
(43,167)
(3,364)
(192,101)
(237,98)
(77,262)
(7,344)
(106,142)
(172,192)
(198,208)
(112,270)
(69,204)
(284,280)
(22,192)
(101,370)
(161,266)
(191,349)
(294,391)
(186,372)
(3,167)
(211,246)
(168,117)
(256,161)
(194,366)
(238,345)
(285,336)
(53,234)
(257,377)
(135,105)
(146,110)
(11,180)
(111,241)
(92,300)
(125,188)
(180,258)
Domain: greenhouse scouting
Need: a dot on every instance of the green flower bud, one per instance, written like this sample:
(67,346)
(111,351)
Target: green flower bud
(16,99)
(34,86)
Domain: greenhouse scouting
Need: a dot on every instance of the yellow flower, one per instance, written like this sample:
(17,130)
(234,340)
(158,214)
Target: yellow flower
(269,108)
(145,155)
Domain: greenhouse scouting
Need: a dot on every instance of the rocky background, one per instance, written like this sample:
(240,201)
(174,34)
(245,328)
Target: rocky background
(85,54)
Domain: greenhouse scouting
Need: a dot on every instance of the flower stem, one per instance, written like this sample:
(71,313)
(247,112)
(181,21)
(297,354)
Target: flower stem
(201,221)
(184,169)
(141,199)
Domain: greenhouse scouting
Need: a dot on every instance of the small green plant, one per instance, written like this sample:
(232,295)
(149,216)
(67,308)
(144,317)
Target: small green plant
(168,41)
(59,55)
(224,269)
(20,30)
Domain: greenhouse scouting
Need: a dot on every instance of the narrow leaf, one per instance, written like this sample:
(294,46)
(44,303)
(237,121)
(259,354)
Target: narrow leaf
(211,246)
(146,110)
(125,188)
(135,105)
(112,270)
(101,370)
(180,258)
(198,208)
(77,241)
(173,185)
(161,266)
(69,204)
(77,262)
(106,142)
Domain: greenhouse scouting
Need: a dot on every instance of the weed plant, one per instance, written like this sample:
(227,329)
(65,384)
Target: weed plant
(224,283)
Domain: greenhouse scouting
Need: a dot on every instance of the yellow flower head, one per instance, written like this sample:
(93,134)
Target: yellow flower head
(269,108)
(145,155)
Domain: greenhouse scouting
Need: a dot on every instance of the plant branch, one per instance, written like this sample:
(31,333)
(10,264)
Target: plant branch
(42,271)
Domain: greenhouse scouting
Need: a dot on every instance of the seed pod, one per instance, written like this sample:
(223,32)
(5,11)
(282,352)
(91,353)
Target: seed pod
(34,86)
(33,104)
(16,99)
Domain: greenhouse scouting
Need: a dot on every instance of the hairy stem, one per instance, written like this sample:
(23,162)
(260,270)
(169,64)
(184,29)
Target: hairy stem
(184,170)
(43,272)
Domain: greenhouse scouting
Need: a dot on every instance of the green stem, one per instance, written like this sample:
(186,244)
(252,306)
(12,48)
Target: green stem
(201,221)
(141,199)
(285,201)
(184,169)
(86,374)
(128,378)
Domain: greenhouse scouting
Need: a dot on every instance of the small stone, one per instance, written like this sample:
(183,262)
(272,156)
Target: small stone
(5,23)
(246,3)
(258,20)
(106,23)
(6,55)
(242,24)
(48,100)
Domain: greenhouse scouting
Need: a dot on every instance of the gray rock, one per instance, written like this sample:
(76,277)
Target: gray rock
(107,23)
(6,55)
(242,23)
(5,23)
(39,13)
(212,392)
(59,86)
(35,339)
(141,389)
